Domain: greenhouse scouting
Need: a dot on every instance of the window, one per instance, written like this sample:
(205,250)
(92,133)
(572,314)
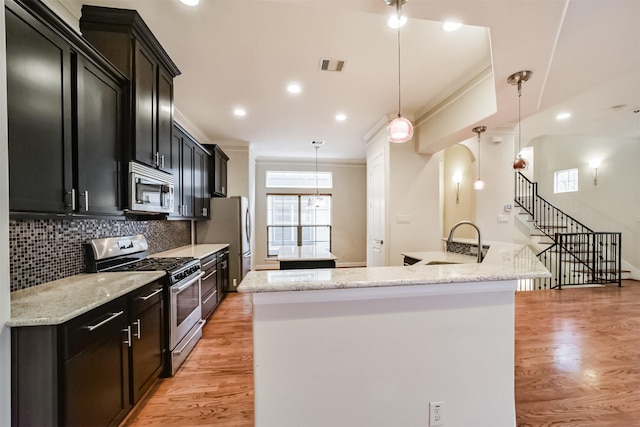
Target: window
(299,179)
(298,220)
(565,181)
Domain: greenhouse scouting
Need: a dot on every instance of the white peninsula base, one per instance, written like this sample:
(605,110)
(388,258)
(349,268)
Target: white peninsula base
(376,356)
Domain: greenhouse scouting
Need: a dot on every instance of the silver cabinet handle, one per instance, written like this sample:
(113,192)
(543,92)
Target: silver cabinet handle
(73,199)
(162,161)
(146,297)
(128,340)
(138,324)
(204,211)
(213,294)
(211,274)
(86,199)
(213,261)
(112,316)
(157,159)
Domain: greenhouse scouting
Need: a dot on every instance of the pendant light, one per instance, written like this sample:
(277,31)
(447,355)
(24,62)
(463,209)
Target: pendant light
(400,129)
(316,201)
(517,79)
(479,184)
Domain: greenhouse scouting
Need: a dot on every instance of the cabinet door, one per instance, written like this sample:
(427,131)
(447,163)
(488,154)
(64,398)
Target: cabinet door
(39,116)
(96,373)
(223,177)
(145,106)
(176,147)
(217,172)
(165,120)
(199,185)
(99,101)
(187,160)
(147,339)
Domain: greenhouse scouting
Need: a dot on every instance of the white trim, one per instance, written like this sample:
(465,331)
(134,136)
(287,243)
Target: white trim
(383,292)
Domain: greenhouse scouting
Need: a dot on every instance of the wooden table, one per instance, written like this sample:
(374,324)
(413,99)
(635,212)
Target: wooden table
(296,257)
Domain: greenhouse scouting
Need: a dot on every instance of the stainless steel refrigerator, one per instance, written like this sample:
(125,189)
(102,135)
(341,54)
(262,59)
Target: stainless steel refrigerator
(230,223)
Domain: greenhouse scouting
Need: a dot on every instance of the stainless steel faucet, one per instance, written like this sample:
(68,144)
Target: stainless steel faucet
(450,239)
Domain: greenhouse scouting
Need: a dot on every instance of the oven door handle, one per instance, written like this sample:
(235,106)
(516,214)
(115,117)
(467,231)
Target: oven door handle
(178,289)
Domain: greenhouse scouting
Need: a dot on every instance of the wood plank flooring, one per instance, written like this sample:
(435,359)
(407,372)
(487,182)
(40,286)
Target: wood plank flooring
(577,364)
(214,387)
(578,357)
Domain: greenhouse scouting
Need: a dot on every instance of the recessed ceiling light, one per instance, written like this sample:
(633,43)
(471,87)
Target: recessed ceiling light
(341,117)
(563,116)
(294,88)
(450,26)
(240,112)
(190,2)
(397,21)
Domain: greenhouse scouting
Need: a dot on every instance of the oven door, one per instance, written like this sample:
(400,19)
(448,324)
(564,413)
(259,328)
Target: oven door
(185,308)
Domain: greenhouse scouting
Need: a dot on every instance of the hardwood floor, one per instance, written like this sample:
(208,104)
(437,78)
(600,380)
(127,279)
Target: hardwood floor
(578,357)
(214,387)
(577,364)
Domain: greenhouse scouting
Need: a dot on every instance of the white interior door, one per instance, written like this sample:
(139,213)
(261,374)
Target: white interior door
(376,252)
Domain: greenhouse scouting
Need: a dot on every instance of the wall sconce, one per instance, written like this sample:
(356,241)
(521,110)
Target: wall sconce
(457,178)
(595,164)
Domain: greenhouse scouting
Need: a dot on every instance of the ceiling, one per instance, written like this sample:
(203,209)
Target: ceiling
(584,54)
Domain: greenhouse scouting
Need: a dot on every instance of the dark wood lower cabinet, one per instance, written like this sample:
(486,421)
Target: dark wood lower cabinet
(91,370)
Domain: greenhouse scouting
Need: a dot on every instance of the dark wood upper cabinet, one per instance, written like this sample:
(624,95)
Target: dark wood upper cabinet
(123,37)
(64,118)
(192,188)
(39,115)
(218,171)
(98,165)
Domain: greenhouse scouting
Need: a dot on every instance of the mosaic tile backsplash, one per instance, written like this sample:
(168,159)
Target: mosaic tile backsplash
(44,250)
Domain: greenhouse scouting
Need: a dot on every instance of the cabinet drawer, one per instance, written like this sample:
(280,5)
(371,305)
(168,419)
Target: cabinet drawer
(209,280)
(146,296)
(94,326)
(209,262)
(209,302)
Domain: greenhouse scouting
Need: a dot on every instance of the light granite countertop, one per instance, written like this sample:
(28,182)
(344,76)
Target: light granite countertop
(304,253)
(199,251)
(503,261)
(56,302)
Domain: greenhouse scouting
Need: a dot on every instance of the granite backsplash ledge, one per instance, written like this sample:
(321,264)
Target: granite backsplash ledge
(44,250)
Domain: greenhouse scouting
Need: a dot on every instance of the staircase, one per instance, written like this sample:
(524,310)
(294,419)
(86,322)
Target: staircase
(574,254)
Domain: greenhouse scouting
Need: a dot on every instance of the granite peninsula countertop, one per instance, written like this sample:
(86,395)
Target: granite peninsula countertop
(199,251)
(56,302)
(503,261)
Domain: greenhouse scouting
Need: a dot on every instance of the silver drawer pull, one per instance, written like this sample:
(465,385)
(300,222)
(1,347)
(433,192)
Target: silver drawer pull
(138,324)
(146,297)
(211,274)
(213,294)
(204,267)
(112,316)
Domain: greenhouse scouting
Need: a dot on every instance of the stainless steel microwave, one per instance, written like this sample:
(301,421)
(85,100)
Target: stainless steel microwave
(150,190)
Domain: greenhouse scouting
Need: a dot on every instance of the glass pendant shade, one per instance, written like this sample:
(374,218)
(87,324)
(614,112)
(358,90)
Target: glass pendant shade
(478,185)
(400,130)
(520,163)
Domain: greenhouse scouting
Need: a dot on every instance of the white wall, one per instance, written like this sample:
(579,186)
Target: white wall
(5,308)
(378,356)
(348,215)
(612,205)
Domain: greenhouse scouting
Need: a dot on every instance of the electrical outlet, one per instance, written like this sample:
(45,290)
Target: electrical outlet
(436,414)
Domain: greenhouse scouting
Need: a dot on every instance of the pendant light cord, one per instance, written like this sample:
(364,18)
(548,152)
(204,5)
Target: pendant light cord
(399,89)
(519,119)
(479,175)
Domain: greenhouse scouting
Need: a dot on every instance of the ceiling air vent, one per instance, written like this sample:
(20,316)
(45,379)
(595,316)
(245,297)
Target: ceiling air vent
(331,65)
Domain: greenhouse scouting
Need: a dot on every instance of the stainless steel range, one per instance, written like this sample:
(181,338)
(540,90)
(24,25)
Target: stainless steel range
(183,314)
